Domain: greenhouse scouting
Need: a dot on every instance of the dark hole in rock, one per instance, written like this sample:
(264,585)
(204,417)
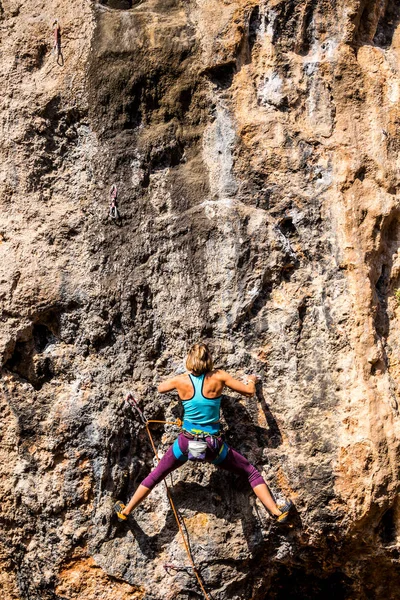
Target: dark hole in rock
(285,23)
(35,372)
(307,28)
(380,366)
(387,528)
(390,232)
(222,75)
(287,272)
(51,111)
(293,584)
(383,282)
(360,175)
(254,26)
(117,321)
(207,331)
(185,99)
(28,360)
(132,308)
(287,227)
(17,357)
(393,231)
(147,298)
(42,337)
(387,25)
(168,156)
(118,4)
(40,55)
(302,310)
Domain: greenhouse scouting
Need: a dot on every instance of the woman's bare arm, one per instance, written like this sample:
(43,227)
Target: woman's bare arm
(247,389)
(167,386)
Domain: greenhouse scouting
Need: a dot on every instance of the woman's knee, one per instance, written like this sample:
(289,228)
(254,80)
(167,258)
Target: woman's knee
(255,477)
(237,463)
(167,464)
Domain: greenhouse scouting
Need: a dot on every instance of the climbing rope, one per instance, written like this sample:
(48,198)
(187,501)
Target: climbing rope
(179,520)
(114,214)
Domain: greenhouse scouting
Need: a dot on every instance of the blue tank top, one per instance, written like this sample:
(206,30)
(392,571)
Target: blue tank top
(199,410)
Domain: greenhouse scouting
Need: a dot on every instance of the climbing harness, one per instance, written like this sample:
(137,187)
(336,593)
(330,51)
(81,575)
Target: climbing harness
(198,444)
(114,214)
(133,403)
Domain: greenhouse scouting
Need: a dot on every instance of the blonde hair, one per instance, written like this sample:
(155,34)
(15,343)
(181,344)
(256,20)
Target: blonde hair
(199,359)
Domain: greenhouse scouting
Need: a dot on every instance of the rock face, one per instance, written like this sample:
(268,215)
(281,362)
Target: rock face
(255,148)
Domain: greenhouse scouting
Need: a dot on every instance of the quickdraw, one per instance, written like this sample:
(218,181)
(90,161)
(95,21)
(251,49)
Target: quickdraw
(169,568)
(114,214)
(134,404)
(57,39)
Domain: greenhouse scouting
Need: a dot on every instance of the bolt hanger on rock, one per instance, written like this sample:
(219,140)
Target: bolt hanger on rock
(113,212)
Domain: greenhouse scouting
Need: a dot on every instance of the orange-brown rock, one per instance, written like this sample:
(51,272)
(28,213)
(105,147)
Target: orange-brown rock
(255,149)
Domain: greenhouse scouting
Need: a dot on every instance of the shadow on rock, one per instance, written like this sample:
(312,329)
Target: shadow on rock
(274,433)
(223,497)
(150,545)
(243,432)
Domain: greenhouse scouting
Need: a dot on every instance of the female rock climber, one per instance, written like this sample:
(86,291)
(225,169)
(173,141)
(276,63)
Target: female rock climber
(200,392)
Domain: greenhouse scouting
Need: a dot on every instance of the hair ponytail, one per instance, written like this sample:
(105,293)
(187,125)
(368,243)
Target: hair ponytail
(199,359)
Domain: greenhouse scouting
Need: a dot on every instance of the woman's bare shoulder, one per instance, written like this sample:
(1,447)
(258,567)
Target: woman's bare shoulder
(182,378)
(219,374)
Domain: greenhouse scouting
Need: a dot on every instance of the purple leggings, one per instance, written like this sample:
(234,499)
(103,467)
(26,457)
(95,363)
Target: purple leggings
(234,463)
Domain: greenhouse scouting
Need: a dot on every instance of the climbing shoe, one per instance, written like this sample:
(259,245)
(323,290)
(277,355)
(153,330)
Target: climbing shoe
(118,508)
(285,510)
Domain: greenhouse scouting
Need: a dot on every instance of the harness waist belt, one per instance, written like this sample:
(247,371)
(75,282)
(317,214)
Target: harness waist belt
(212,429)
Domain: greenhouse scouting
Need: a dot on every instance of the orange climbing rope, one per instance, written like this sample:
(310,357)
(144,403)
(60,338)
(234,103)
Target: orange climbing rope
(178,422)
(133,403)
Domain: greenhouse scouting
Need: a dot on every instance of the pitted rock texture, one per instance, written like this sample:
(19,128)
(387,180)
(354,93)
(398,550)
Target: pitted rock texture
(255,148)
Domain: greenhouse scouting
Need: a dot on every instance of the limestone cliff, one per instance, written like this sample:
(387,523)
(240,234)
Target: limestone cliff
(255,148)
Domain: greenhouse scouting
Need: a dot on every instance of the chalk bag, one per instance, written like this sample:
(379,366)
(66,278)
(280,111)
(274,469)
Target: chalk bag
(197,449)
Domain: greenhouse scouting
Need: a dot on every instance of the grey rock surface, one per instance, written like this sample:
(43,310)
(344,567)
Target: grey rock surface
(255,150)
